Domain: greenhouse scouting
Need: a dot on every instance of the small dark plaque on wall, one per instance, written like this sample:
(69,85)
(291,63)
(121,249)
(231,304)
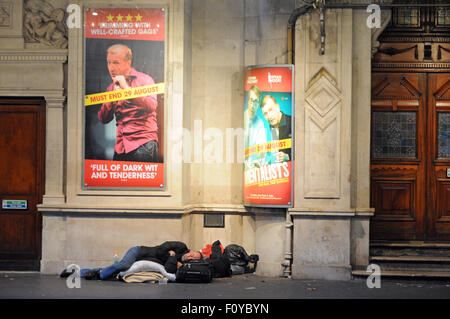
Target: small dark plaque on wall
(215,220)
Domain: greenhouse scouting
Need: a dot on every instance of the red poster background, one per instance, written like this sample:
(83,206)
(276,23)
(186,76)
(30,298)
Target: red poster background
(102,173)
(271,195)
(280,79)
(130,23)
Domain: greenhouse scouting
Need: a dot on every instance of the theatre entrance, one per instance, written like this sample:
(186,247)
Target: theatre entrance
(22,149)
(410,128)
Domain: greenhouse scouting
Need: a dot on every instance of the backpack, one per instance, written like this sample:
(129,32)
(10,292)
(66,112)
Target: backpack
(195,271)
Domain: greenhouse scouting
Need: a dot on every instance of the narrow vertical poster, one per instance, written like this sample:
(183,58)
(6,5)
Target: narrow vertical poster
(124,98)
(268,136)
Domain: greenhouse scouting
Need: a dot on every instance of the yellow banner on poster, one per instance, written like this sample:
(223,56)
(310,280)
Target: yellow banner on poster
(269,147)
(126,94)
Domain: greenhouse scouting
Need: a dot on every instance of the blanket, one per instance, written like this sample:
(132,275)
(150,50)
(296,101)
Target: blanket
(143,276)
(147,266)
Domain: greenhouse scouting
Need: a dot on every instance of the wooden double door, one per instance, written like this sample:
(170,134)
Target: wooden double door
(22,148)
(410,156)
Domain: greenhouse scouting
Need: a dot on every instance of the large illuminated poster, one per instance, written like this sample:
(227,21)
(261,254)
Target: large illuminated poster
(124,98)
(268,136)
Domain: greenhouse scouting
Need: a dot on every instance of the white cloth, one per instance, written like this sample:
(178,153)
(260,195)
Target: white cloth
(146,265)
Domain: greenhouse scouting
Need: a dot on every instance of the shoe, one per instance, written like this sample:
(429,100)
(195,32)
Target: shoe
(66,273)
(92,275)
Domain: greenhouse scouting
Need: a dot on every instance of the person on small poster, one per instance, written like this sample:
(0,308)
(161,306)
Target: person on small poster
(255,132)
(137,130)
(280,126)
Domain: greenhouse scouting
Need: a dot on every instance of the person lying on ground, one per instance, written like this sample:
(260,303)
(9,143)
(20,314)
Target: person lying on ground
(170,254)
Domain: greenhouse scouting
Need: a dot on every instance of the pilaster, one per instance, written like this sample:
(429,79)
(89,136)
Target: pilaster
(332,178)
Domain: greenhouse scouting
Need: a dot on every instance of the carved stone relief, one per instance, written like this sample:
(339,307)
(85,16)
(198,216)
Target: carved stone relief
(5,15)
(44,24)
(322,137)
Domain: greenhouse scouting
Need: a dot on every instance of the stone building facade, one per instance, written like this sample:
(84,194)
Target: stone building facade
(208,45)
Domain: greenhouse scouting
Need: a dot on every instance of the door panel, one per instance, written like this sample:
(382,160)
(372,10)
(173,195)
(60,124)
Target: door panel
(397,152)
(410,183)
(22,128)
(438,214)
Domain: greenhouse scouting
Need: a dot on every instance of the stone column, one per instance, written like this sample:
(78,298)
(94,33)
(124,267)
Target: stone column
(54,172)
(360,163)
(323,146)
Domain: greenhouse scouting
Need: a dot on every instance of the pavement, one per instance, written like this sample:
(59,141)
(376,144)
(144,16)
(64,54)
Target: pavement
(34,285)
(236,297)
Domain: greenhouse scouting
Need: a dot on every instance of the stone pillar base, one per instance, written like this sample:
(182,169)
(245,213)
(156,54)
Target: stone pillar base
(270,241)
(269,269)
(321,246)
(326,272)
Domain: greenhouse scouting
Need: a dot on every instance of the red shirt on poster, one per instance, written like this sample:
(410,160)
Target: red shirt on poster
(135,118)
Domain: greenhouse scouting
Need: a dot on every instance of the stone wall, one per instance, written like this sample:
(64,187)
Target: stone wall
(209,44)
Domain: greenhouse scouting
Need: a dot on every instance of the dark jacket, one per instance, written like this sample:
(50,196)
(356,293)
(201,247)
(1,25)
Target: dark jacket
(160,254)
(219,260)
(285,131)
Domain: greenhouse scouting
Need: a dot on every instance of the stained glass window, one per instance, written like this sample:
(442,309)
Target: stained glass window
(443,135)
(393,134)
(407,17)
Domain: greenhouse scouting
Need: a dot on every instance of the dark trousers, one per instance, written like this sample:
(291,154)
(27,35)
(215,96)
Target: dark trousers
(147,152)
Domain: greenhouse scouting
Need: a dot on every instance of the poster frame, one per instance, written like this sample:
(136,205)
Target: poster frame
(121,189)
(292,177)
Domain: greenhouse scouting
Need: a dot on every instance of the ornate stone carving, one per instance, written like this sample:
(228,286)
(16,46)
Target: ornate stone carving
(322,136)
(5,15)
(44,24)
(322,94)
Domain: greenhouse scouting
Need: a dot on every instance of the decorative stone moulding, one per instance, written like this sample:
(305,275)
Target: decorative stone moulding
(323,117)
(5,15)
(33,56)
(322,94)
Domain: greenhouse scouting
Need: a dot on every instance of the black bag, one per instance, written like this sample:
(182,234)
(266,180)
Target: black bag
(240,261)
(221,264)
(195,271)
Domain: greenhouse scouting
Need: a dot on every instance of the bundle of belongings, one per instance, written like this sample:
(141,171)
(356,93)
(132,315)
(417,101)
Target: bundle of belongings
(217,262)
(146,271)
(241,262)
(233,260)
(214,264)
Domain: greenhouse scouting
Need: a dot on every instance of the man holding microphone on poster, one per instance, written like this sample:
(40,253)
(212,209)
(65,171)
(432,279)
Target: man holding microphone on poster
(137,129)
